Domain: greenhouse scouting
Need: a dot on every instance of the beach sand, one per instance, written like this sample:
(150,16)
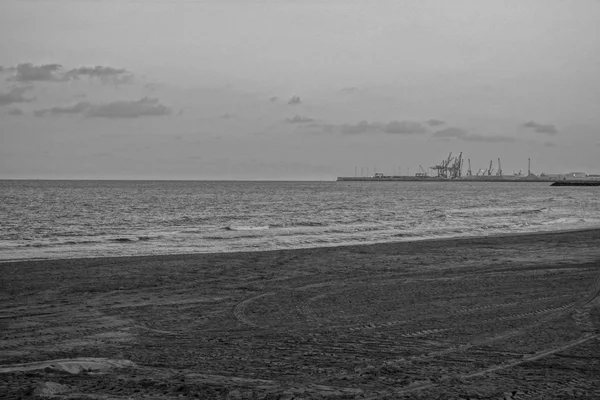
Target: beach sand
(501,317)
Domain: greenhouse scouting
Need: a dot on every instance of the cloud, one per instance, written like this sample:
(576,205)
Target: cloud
(105,74)
(28,72)
(273,99)
(129,109)
(462,134)
(298,119)
(15,111)
(294,100)
(78,108)
(393,127)
(435,122)
(14,95)
(116,109)
(548,129)
(404,127)
(361,127)
(549,144)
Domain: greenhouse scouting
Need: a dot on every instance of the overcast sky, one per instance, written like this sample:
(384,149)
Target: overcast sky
(289,89)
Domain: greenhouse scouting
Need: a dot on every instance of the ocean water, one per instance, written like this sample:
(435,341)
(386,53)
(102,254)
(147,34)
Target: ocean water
(68,219)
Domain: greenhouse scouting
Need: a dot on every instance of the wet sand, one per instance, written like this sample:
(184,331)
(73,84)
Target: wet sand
(508,317)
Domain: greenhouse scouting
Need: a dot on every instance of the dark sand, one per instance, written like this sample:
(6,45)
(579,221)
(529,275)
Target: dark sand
(504,317)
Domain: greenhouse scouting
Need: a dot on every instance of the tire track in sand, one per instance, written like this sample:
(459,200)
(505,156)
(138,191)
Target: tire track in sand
(495,368)
(239,311)
(584,304)
(582,316)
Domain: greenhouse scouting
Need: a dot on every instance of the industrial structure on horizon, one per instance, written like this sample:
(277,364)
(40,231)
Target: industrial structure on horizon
(451,169)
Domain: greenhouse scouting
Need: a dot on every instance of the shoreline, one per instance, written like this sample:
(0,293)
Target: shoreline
(386,243)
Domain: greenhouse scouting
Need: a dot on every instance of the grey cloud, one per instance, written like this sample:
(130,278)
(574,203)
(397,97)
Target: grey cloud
(105,74)
(15,111)
(549,144)
(435,122)
(404,127)
(28,72)
(361,127)
(273,99)
(129,109)
(298,119)
(294,100)
(78,108)
(548,129)
(117,109)
(14,95)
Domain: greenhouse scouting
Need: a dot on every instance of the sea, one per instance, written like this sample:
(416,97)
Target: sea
(51,219)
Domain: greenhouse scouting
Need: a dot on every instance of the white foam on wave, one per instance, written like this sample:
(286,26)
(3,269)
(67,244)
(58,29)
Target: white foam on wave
(565,221)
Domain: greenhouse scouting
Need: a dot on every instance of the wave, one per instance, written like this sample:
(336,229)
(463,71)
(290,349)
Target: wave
(216,238)
(534,211)
(436,213)
(141,238)
(145,238)
(55,242)
(482,213)
(565,220)
(65,243)
(246,228)
(299,224)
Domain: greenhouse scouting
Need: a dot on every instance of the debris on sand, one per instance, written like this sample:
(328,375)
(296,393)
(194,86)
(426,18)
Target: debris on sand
(50,389)
(72,366)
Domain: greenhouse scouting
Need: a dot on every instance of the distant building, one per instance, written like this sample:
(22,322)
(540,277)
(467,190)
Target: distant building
(571,175)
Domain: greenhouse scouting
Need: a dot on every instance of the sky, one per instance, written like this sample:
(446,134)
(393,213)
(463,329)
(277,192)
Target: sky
(295,90)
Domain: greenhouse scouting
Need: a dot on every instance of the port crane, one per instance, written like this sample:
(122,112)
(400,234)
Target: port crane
(469,172)
(490,168)
(450,168)
(499,172)
(423,173)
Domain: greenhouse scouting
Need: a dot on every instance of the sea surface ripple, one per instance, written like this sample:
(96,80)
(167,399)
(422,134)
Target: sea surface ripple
(72,219)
